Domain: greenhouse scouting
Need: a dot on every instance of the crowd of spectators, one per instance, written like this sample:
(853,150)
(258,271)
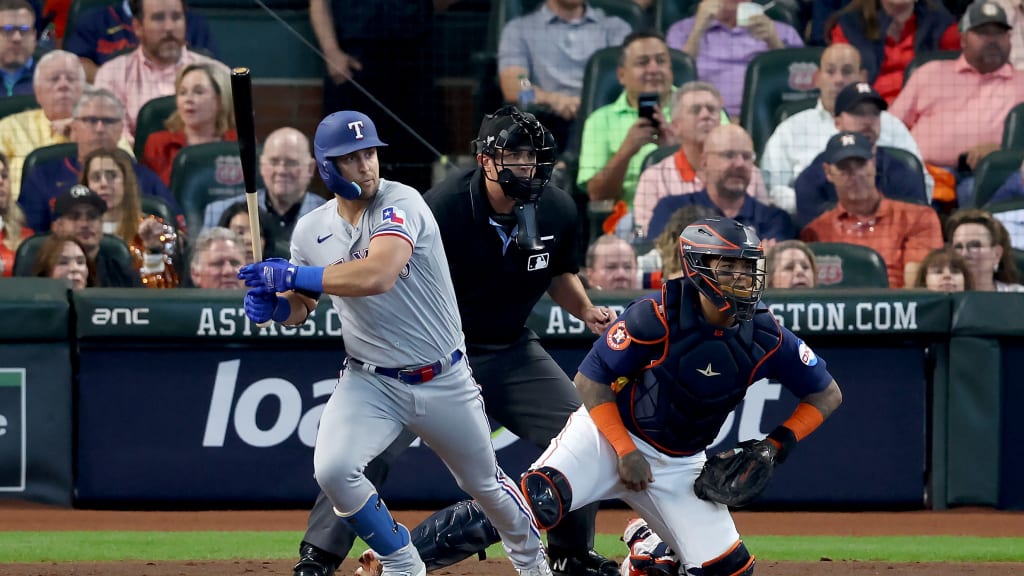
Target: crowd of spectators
(883,155)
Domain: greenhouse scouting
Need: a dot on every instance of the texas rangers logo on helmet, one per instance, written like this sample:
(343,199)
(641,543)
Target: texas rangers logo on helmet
(357,127)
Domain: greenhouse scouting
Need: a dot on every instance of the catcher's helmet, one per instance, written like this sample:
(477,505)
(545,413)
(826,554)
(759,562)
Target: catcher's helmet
(725,261)
(339,134)
(510,129)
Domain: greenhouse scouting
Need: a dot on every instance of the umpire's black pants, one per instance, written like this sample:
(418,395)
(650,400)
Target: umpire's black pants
(525,391)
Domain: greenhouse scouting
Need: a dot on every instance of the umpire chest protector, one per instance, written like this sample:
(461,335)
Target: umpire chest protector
(702,372)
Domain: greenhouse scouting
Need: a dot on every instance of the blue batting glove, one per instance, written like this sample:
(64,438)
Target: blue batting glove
(273,274)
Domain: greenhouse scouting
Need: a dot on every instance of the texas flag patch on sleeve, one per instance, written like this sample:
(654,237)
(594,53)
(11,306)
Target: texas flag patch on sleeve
(393,215)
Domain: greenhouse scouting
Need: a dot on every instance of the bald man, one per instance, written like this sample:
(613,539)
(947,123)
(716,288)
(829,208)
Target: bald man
(801,137)
(286,166)
(728,164)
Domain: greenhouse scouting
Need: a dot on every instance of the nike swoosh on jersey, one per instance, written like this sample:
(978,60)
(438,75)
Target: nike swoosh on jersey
(322,239)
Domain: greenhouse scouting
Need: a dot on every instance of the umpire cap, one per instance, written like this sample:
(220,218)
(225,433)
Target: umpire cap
(343,133)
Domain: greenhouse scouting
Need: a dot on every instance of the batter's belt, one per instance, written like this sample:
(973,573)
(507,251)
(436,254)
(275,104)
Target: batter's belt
(414,375)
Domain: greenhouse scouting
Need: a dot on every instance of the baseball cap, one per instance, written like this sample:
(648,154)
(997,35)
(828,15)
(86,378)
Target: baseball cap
(849,97)
(848,145)
(983,12)
(76,195)
(343,133)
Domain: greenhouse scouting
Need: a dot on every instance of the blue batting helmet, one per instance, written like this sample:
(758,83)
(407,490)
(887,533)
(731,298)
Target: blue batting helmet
(339,134)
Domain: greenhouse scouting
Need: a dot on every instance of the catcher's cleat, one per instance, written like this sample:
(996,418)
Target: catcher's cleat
(648,555)
(315,562)
(369,565)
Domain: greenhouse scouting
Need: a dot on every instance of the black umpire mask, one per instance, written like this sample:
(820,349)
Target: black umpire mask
(509,132)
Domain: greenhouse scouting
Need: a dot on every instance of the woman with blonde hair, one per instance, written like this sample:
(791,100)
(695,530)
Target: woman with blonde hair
(154,243)
(204,113)
(12,222)
(791,264)
(984,242)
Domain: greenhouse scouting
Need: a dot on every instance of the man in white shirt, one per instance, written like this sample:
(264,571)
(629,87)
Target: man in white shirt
(801,137)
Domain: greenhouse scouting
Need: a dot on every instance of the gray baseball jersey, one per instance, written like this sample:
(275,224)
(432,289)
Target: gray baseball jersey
(388,329)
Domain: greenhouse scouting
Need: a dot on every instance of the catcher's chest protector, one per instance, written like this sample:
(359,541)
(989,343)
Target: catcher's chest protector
(679,405)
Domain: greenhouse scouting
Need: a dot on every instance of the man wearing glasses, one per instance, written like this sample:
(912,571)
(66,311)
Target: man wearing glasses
(98,122)
(286,167)
(17,43)
(728,165)
(696,110)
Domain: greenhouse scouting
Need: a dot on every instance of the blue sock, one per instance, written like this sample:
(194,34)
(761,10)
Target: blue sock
(375,525)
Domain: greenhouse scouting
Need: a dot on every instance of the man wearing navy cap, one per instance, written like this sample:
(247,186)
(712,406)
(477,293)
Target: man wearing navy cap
(901,233)
(858,108)
(78,214)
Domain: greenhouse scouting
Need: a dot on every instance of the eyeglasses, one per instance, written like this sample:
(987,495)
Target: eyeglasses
(730,155)
(9,30)
(970,246)
(93,120)
(288,163)
(696,108)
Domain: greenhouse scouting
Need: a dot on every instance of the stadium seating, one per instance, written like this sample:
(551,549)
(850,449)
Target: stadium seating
(45,154)
(17,103)
(992,171)
(843,265)
(203,173)
(773,78)
(658,155)
(151,119)
(1013,128)
(25,257)
(791,108)
(910,160)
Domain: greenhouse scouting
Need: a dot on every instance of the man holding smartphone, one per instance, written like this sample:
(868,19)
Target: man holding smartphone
(618,136)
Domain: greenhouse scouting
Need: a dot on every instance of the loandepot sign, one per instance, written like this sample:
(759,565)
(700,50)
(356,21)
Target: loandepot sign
(12,429)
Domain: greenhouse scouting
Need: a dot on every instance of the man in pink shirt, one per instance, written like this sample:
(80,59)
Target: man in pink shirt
(149,71)
(956,108)
(696,111)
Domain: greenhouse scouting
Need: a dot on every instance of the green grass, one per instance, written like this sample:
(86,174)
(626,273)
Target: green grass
(164,546)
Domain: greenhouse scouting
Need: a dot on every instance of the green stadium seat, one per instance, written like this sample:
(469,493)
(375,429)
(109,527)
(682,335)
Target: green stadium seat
(160,208)
(17,103)
(842,265)
(791,108)
(910,160)
(45,154)
(25,257)
(204,173)
(926,57)
(773,78)
(992,172)
(1018,257)
(658,155)
(1013,128)
(151,119)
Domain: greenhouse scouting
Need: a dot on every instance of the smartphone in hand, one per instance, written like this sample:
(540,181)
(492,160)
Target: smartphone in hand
(647,103)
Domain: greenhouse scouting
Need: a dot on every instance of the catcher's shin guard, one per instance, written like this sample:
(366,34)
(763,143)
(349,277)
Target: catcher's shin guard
(549,495)
(453,534)
(736,562)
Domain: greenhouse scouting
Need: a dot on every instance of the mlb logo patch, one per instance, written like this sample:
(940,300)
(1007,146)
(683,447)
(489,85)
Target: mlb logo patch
(538,262)
(392,214)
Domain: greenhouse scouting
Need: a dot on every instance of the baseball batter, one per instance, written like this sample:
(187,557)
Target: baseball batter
(657,388)
(376,251)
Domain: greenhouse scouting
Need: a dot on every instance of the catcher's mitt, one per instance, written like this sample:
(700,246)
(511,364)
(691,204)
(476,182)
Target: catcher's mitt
(736,477)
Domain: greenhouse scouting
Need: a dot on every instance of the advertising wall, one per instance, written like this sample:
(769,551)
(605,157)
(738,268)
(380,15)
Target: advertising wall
(181,399)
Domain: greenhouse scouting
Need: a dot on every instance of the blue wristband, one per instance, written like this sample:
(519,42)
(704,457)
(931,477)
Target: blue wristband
(282,310)
(309,278)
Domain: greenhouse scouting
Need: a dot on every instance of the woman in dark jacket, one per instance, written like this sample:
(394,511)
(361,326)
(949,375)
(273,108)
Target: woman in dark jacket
(889,33)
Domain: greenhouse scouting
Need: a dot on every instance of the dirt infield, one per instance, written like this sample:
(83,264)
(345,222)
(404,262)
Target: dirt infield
(961,522)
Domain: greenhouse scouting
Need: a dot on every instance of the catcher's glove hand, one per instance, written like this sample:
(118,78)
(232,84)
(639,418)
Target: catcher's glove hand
(736,477)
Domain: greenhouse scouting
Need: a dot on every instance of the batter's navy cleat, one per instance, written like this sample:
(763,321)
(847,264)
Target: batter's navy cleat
(315,562)
(591,564)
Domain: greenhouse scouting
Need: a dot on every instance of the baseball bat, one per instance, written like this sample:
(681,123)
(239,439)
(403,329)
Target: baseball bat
(245,125)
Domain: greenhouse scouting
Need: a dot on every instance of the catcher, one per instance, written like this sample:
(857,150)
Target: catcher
(657,388)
